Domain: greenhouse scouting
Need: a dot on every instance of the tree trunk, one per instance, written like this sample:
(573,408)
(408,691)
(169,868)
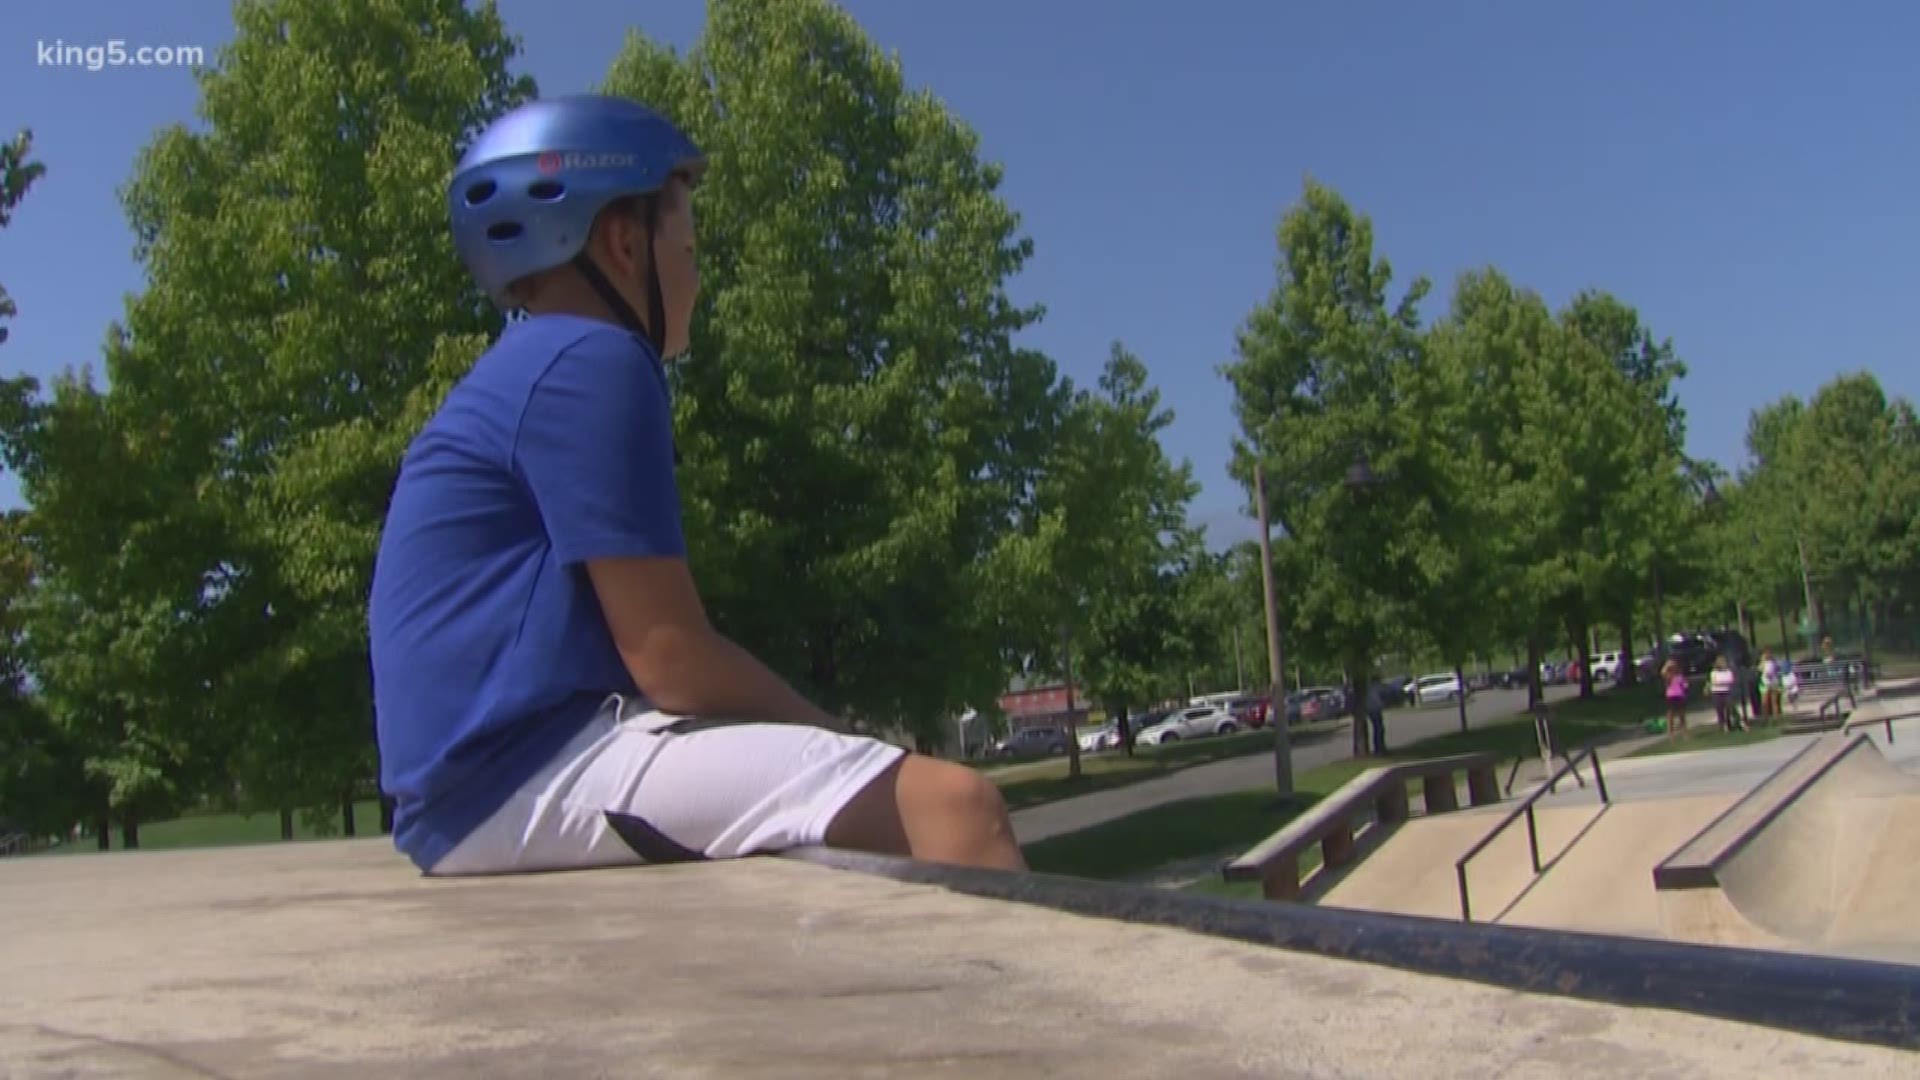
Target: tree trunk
(346,813)
(1659,623)
(103,831)
(386,814)
(129,831)
(1780,608)
(1628,673)
(1461,677)
(1577,636)
(1357,710)
(286,824)
(1535,694)
(1073,730)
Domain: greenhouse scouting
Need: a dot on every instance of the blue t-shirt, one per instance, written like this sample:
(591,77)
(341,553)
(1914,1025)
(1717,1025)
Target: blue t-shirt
(490,651)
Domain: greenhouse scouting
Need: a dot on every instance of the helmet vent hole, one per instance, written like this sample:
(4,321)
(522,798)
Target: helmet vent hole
(502,231)
(480,192)
(546,190)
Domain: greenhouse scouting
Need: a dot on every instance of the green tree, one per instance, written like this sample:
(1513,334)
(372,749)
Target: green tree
(1113,511)
(1315,383)
(298,281)
(42,778)
(1854,461)
(1648,510)
(1466,528)
(110,617)
(860,435)
(18,171)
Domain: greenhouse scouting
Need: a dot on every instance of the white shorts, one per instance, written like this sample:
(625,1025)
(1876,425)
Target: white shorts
(701,788)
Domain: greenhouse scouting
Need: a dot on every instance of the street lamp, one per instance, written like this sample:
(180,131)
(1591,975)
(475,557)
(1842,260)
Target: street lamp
(1359,475)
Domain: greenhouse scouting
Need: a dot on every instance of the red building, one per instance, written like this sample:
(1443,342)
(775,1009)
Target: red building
(1041,706)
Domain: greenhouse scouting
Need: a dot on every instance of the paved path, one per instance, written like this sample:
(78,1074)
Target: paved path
(1404,726)
(1740,768)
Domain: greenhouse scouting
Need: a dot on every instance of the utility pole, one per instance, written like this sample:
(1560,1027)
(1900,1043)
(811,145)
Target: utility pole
(1806,583)
(1073,731)
(1276,659)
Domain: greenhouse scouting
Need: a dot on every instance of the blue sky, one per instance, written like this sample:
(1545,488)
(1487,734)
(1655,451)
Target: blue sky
(1743,173)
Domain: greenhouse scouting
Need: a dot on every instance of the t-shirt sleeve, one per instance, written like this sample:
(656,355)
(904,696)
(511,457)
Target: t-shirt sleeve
(595,445)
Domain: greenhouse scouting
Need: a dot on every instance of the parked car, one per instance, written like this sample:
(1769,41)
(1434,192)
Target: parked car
(1695,652)
(1191,723)
(1032,742)
(1093,740)
(1444,686)
(1318,702)
(1297,706)
(1605,666)
(1250,710)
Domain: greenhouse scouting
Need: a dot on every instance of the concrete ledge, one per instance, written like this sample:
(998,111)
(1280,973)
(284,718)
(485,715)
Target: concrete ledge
(1378,795)
(335,959)
(1698,863)
(1855,1000)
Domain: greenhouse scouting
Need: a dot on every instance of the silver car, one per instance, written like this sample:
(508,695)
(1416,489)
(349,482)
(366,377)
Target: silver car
(1194,723)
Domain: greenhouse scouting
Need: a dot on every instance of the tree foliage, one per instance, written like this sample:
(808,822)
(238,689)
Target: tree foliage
(18,171)
(860,432)
(206,603)
(1318,380)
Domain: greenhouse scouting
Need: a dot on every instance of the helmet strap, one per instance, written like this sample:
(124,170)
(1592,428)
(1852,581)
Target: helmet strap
(655,328)
(612,298)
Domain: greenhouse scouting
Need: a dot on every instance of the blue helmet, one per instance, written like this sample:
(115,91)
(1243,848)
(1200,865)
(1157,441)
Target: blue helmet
(525,195)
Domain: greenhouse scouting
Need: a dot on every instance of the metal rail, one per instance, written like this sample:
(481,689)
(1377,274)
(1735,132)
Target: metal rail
(1525,809)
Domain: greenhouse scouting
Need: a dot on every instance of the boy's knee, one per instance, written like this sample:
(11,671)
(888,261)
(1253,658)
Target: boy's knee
(970,793)
(960,793)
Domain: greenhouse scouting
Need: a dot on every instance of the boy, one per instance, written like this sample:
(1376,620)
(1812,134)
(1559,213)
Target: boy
(548,691)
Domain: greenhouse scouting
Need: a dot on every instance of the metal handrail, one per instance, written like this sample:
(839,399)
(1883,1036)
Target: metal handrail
(1845,691)
(1591,753)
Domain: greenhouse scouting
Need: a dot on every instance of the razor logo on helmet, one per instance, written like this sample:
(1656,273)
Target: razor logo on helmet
(553,161)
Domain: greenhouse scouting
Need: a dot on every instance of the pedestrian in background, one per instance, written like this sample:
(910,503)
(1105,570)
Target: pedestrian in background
(1722,683)
(1676,680)
(1770,684)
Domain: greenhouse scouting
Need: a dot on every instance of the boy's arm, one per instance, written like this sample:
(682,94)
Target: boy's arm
(595,446)
(681,663)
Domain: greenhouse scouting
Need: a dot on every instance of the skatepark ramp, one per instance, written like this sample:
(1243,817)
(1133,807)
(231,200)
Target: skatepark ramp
(1822,856)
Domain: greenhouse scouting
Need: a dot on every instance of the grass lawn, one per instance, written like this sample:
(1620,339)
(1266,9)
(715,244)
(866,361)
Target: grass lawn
(1222,824)
(221,830)
(1711,738)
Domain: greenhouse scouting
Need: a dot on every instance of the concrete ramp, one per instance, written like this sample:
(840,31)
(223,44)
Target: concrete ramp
(1595,861)
(1823,856)
(1820,855)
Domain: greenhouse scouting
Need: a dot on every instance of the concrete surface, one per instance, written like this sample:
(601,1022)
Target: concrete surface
(1732,769)
(1598,862)
(335,959)
(1404,726)
(1834,874)
(1833,869)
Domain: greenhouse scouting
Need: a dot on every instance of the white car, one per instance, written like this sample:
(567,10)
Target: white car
(1431,688)
(1194,723)
(1606,667)
(1093,740)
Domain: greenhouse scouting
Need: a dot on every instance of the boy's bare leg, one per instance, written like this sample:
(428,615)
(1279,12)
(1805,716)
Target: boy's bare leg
(932,810)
